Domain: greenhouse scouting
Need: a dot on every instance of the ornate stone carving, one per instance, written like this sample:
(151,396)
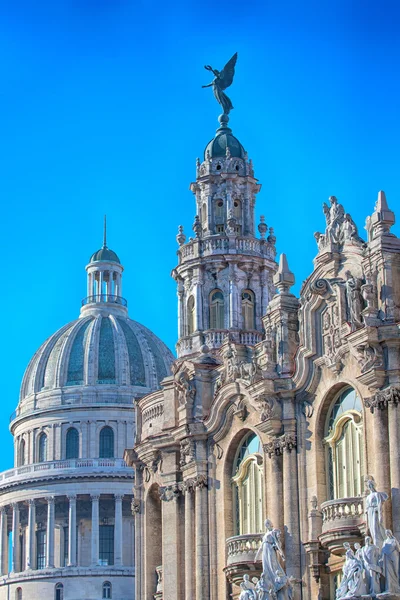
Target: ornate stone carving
(355,301)
(340,227)
(135,506)
(321,287)
(369,356)
(188,451)
(288,441)
(381,398)
(201,481)
(186,390)
(170,492)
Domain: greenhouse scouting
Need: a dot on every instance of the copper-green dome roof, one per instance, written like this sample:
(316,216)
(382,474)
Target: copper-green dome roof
(218,145)
(105,254)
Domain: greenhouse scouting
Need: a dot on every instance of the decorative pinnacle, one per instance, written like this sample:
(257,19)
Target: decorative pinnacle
(284,278)
(181,237)
(105,232)
(262,227)
(382,218)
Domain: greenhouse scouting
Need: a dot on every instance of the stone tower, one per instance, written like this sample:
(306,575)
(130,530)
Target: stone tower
(225,272)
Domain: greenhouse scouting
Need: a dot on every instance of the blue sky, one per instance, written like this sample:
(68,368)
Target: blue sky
(102,111)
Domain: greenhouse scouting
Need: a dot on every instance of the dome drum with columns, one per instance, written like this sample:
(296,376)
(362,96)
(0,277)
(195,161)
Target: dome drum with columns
(66,521)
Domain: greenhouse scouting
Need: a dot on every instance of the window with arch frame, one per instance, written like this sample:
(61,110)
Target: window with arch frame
(190,315)
(237,209)
(21,457)
(248,309)
(217,317)
(107,590)
(18,594)
(106,446)
(219,208)
(72,443)
(344,442)
(59,592)
(42,453)
(247,486)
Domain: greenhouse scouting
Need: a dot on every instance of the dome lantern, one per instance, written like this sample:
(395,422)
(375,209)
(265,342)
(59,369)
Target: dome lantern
(104,280)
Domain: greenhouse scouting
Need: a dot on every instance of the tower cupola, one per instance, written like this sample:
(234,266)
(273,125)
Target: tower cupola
(104,281)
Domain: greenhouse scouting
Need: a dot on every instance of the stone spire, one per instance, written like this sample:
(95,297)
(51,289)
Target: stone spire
(382,219)
(284,278)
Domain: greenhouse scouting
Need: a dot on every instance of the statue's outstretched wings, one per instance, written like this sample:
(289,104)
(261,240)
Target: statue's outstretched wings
(227,73)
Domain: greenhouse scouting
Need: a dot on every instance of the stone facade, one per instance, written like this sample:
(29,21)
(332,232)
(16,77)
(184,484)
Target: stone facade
(277,406)
(66,525)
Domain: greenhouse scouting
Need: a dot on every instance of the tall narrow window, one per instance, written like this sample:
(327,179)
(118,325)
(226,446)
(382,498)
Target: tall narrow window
(248,309)
(219,209)
(106,443)
(41,548)
(237,209)
(59,595)
(248,486)
(190,315)
(216,310)
(22,453)
(72,443)
(106,544)
(18,594)
(204,214)
(107,590)
(42,447)
(345,446)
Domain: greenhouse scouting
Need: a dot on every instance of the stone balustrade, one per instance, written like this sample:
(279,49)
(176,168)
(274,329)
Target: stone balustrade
(62,467)
(221,244)
(214,338)
(250,338)
(242,548)
(342,521)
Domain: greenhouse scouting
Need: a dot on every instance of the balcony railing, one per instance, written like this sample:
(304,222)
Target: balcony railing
(342,521)
(242,548)
(105,298)
(52,468)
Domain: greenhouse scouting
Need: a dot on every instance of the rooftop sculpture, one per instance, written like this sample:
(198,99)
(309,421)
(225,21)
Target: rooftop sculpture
(223,79)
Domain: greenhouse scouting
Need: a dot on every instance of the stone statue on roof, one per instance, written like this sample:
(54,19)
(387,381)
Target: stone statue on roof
(223,79)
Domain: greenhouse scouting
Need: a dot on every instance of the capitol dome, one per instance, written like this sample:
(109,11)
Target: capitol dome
(224,140)
(98,350)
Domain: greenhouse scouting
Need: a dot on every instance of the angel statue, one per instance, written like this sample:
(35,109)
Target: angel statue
(223,79)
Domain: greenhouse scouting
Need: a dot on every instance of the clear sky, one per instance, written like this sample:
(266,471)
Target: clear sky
(102,111)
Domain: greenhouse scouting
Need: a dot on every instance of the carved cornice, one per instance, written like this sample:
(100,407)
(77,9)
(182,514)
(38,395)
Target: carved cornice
(286,442)
(382,398)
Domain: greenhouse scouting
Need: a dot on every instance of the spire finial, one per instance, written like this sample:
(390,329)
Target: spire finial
(105,232)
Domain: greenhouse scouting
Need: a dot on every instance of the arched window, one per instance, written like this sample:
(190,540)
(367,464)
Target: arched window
(42,454)
(204,214)
(106,443)
(59,589)
(107,590)
(237,209)
(18,594)
(216,310)
(248,489)
(72,443)
(345,446)
(22,452)
(190,315)
(248,309)
(219,209)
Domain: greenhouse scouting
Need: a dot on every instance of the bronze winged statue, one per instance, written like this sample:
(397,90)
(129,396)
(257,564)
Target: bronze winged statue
(223,79)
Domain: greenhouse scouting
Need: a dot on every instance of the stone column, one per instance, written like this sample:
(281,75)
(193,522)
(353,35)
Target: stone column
(189,540)
(394,449)
(95,529)
(31,546)
(381,472)
(274,510)
(202,552)
(72,531)
(50,533)
(171,544)
(137,511)
(198,325)
(291,506)
(118,545)
(3,540)
(16,555)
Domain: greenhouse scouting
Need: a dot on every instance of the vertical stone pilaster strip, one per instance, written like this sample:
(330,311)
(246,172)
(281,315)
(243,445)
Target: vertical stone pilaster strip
(3,539)
(30,557)
(202,550)
(394,449)
(118,545)
(95,529)
(381,464)
(189,541)
(72,531)
(15,566)
(291,511)
(50,533)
